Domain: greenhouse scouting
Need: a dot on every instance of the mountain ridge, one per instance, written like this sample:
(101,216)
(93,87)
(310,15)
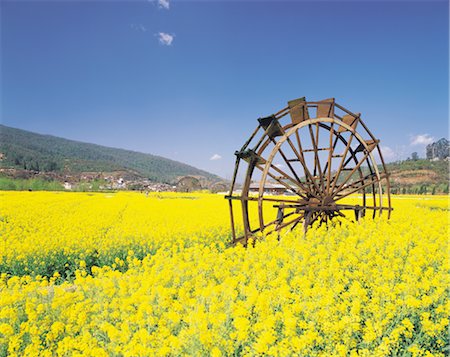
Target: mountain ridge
(23,149)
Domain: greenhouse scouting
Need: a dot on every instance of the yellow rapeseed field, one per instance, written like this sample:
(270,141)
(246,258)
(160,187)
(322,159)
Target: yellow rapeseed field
(122,274)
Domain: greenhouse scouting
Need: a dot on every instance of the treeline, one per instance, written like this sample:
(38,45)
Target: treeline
(9,184)
(17,160)
(425,189)
(38,184)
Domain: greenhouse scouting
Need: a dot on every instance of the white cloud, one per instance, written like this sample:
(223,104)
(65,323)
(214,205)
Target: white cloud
(280,166)
(164,4)
(388,153)
(421,139)
(138,27)
(165,38)
(215,157)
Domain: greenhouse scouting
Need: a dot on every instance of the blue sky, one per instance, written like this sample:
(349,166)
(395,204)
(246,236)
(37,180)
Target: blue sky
(188,79)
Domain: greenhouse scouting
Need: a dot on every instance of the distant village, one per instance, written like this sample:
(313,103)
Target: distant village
(118,180)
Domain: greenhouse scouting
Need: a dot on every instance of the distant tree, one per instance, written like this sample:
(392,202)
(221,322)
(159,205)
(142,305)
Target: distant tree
(415,156)
(50,166)
(422,190)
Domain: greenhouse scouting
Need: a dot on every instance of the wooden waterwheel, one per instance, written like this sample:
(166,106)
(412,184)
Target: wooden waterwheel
(310,162)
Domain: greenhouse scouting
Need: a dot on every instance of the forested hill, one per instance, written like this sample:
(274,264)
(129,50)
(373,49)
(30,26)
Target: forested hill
(419,176)
(27,150)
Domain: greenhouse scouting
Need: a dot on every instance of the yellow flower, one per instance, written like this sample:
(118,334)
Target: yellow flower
(123,274)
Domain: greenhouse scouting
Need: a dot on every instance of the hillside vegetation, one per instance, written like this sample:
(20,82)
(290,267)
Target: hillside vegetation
(419,176)
(22,149)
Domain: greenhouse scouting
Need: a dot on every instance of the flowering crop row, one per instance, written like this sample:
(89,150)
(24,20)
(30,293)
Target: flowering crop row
(171,286)
(53,231)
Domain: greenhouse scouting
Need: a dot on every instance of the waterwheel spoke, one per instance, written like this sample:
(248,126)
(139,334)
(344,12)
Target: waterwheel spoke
(366,155)
(295,182)
(301,159)
(277,220)
(322,174)
(285,224)
(323,218)
(268,199)
(341,166)
(275,200)
(314,141)
(352,157)
(336,140)
(342,195)
(358,184)
(289,188)
(292,169)
(315,216)
(294,225)
(330,156)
